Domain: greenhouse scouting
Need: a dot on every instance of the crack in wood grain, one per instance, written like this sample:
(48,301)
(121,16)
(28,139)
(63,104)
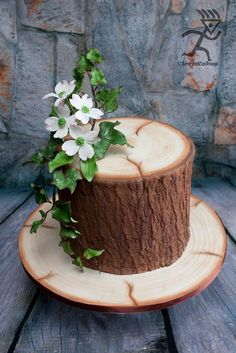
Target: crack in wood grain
(130,293)
(42,226)
(142,126)
(47,276)
(207,253)
(136,165)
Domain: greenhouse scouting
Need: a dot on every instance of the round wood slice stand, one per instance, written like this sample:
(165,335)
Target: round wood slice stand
(137,206)
(48,265)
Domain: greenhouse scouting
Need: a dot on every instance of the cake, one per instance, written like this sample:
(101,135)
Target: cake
(137,207)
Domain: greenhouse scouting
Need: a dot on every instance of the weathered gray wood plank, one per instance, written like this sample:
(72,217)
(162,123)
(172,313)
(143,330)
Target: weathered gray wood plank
(54,326)
(10,200)
(207,322)
(16,290)
(221,195)
(57,327)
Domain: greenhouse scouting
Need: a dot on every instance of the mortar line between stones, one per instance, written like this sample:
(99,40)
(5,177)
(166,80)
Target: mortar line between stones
(53,31)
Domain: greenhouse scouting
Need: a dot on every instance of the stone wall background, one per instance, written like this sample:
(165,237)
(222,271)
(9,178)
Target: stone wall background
(141,41)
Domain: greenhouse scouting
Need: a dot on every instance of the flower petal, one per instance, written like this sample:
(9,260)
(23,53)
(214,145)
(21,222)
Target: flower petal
(51,123)
(61,132)
(70,147)
(84,118)
(58,102)
(70,88)
(86,151)
(91,137)
(85,100)
(61,87)
(95,113)
(70,120)
(76,131)
(76,101)
(50,95)
(63,111)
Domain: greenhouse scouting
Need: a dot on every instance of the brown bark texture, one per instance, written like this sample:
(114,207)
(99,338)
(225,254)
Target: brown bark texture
(143,224)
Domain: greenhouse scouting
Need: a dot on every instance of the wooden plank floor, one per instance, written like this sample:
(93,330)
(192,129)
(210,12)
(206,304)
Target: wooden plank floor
(31,321)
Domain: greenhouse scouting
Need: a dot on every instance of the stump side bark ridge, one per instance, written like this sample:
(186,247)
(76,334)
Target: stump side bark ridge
(138,210)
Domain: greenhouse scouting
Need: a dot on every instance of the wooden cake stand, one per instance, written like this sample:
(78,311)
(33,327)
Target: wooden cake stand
(50,267)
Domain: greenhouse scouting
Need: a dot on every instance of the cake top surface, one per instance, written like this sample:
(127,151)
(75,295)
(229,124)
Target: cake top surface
(157,148)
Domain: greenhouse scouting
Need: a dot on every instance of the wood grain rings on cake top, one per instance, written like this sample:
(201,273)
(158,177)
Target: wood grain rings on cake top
(137,207)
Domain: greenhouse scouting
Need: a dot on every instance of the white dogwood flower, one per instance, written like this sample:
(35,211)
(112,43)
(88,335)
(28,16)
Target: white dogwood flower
(62,123)
(62,90)
(85,108)
(82,143)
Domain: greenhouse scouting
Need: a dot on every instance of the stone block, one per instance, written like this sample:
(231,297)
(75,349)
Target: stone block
(3,127)
(225,132)
(151,41)
(214,160)
(190,112)
(227,86)
(106,32)
(34,79)
(53,15)
(6,78)
(192,18)
(231,12)
(200,71)
(201,74)
(68,49)
(8,20)
(177,6)
(15,150)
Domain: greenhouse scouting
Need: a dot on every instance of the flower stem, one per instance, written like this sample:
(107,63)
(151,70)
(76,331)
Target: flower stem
(94,98)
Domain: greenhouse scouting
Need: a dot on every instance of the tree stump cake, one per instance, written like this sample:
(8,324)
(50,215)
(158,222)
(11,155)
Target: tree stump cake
(137,206)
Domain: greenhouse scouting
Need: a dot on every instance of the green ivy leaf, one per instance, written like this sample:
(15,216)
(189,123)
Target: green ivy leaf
(67,179)
(95,56)
(44,155)
(89,168)
(90,253)
(38,223)
(35,226)
(84,64)
(61,211)
(97,77)
(78,262)
(40,194)
(38,158)
(51,148)
(108,136)
(78,76)
(61,159)
(69,232)
(108,131)
(66,247)
(109,98)
(101,147)
(54,111)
